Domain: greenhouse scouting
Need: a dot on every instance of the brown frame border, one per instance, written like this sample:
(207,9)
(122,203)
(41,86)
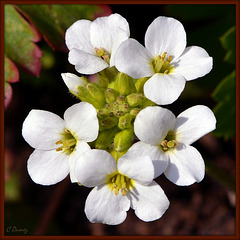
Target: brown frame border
(2,2)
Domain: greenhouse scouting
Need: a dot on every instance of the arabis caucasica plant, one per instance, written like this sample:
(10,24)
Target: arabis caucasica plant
(117,140)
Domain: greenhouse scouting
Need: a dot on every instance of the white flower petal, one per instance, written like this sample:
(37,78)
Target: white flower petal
(193,63)
(158,157)
(103,206)
(133,59)
(165,35)
(153,123)
(137,167)
(164,88)
(81,121)
(42,129)
(86,63)
(149,202)
(105,31)
(122,36)
(194,123)
(78,36)
(80,148)
(73,82)
(94,166)
(48,167)
(186,166)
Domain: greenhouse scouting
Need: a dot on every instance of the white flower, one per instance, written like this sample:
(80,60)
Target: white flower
(58,142)
(165,137)
(93,45)
(119,186)
(166,60)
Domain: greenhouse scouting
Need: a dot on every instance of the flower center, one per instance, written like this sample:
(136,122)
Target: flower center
(161,64)
(103,54)
(68,142)
(121,183)
(169,142)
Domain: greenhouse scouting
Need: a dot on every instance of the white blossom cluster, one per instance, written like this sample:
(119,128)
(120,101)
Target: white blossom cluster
(118,138)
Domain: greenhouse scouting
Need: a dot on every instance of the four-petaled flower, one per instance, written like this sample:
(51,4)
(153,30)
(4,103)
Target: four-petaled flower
(58,142)
(166,60)
(93,45)
(165,137)
(119,186)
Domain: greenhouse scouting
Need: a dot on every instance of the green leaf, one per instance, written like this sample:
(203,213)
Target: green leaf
(11,75)
(52,20)
(228,41)
(225,110)
(19,41)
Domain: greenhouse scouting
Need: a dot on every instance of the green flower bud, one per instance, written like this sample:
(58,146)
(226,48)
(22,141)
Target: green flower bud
(105,138)
(135,99)
(110,95)
(124,84)
(134,112)
(107,123)
(125,121)
(123,140)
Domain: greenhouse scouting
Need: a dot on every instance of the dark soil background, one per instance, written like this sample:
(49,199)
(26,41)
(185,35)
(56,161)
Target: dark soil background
(206,208)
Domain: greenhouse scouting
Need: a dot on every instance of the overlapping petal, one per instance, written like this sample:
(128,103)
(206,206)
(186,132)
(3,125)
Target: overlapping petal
(86,63)
(94,166)
(165,35)
(153,123)
(80,148)
(133,59)
(47,167)
(158,157)
(194,123)
(42,129)
(102,205)
(149,202)
(193,63)
(81,120)
(78,36)
(104,31)
(164,88)
(186,166)
(137,167)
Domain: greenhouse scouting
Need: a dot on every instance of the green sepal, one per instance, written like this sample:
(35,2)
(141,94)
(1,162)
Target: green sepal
(140,83)
(124,84)
(105,138)
(92,93)
(123,139)
(107,75)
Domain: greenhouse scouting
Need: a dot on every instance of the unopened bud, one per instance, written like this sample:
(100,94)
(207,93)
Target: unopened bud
(110,95)
(134,112)
(135,99)
(97,93)
(107,123)
(125,121)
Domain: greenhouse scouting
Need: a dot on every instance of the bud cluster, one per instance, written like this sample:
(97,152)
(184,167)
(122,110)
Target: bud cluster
(117,102)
